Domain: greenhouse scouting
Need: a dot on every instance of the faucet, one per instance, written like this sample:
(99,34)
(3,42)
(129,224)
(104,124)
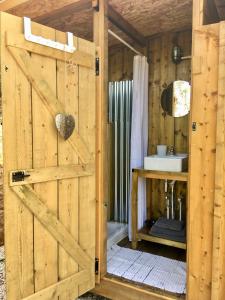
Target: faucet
(171,150)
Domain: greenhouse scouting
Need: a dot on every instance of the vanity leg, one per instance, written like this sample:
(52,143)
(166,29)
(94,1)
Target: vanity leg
(134,209)
(134,245)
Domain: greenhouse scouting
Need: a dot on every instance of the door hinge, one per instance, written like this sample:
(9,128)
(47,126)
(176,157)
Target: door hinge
(19,176)
(97,62)
(96,266)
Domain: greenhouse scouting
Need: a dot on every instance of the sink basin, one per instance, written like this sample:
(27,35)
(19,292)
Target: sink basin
(169,163)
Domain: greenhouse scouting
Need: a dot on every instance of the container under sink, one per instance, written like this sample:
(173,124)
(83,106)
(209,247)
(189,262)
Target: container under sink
(168,163)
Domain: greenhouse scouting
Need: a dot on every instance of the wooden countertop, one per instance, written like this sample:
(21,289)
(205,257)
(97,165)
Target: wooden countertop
(179,176)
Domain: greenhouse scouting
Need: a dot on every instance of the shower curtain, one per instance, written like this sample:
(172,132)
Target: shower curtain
(139,133)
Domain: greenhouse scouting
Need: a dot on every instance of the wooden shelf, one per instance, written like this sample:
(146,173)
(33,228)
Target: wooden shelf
(143,234)
(179,176)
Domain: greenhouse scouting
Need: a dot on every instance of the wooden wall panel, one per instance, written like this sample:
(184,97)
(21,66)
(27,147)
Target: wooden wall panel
(87,185)
(102,169)
(202,161)
(164,129)
(154,112)
(218,264)
(120,63)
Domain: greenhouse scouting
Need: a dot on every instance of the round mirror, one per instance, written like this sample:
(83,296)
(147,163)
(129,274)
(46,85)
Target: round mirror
(176,98)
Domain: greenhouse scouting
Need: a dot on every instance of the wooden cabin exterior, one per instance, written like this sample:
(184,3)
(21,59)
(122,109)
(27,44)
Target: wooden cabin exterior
(201,134)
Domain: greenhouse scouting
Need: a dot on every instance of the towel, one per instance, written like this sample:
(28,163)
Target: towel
(174,230)
(156,229)
(174,225)
(181,239)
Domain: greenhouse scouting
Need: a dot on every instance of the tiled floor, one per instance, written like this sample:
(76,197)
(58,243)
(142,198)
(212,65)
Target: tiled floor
(149,269)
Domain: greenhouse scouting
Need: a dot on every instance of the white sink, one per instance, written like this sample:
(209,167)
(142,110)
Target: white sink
(169,163)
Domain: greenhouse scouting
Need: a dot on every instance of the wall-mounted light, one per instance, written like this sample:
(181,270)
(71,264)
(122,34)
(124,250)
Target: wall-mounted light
(177,54)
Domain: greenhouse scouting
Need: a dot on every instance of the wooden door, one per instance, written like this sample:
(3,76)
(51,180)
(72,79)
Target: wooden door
(50,215)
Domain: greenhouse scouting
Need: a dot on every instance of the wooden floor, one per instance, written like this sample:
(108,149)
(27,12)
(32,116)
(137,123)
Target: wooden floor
(153,248)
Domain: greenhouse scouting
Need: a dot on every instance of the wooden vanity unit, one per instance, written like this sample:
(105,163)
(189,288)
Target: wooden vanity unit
(143,234)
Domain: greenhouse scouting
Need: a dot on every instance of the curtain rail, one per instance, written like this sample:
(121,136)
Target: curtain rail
(124,42)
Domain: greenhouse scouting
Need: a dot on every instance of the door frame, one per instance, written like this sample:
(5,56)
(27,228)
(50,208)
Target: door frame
(106,283)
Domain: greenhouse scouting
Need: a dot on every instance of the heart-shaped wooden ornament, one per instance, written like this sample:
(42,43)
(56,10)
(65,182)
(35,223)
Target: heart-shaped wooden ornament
(65,125)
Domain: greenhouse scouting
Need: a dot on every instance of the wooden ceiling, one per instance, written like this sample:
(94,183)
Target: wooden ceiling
(214,11)
(153,16)
(133,20)
(146,17)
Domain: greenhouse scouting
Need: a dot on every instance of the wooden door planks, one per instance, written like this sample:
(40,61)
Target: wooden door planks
(44,155)
(61,288)
(68,93)
(48,97)
(18,221)
(45,242)
(48,218)
(53,173)
(76,58)
(202,161)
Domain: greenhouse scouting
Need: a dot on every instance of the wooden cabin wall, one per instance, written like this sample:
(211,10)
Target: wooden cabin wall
(120,63)
(205,178)
(164,129)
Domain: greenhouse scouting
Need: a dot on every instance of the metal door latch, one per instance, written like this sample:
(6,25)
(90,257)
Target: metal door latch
(194,126)
(96,266)
(19,176)
(97,66)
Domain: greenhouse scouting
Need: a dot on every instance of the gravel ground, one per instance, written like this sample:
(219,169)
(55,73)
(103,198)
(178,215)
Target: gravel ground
(87,296)
(90,296)
(2,274)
